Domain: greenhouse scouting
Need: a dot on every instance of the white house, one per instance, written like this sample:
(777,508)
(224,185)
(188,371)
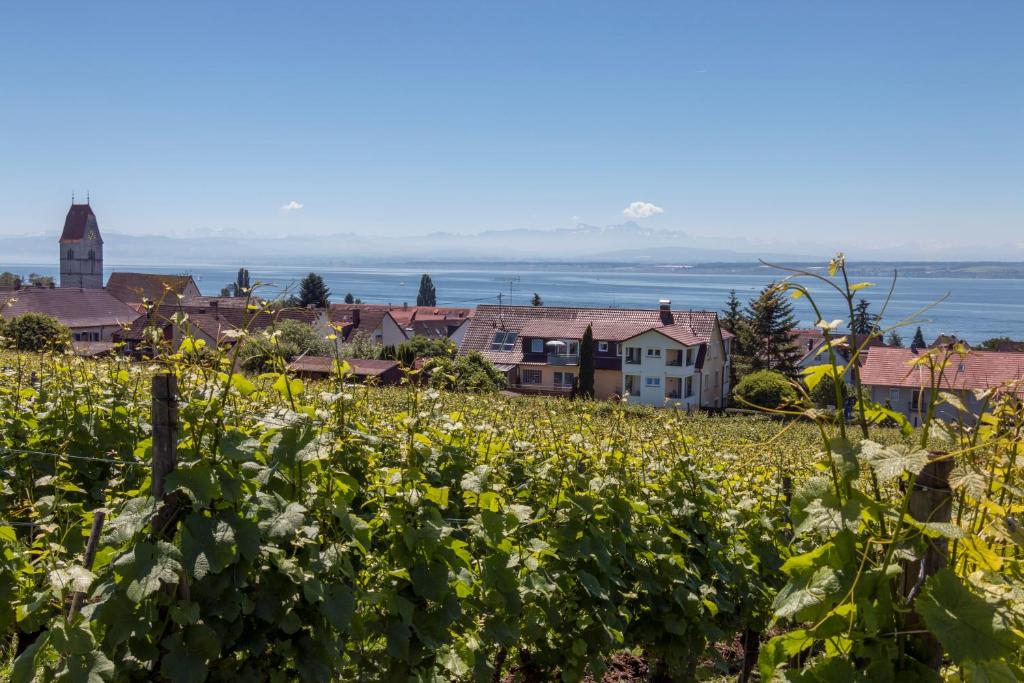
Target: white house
(673,366)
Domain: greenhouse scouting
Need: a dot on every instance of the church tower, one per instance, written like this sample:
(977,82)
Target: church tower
(81,249)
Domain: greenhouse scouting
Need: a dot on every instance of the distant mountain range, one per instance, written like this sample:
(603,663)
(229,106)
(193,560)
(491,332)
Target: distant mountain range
(626,243)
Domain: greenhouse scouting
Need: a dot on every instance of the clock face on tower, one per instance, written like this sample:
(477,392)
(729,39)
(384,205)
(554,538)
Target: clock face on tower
(92,234)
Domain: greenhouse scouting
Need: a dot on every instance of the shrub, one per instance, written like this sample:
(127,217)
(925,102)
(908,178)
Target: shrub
(764,389)
(471,372)
(36,332)
(294,339)
(824,392)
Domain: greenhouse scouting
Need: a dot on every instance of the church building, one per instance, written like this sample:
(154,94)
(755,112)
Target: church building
(81,249)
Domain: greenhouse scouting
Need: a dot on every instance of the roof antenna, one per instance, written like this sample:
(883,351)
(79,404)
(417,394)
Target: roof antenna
(87,197)
(72,196)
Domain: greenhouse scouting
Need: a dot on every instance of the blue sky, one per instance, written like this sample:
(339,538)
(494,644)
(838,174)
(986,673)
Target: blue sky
(858,123)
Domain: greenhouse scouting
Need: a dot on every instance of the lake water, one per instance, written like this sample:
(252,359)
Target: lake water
(975,309)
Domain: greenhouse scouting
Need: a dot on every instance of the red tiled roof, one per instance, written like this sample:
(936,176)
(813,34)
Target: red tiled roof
(134,287)
(371,316)
(78,221)
(73,307)
(892,367)
(609,324)
(325,364)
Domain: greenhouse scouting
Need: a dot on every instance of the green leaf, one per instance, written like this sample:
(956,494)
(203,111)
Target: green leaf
(195,479)
(968,626)
(438,496)
(814,374)
(807,591)
(892,462)
(280,521)
(592,585)
(24,669)
(146,566)
(73,579)
(207,545)
(93,667)
(780,649)
(71,639)
(338,606)
(988,671)
(430,580)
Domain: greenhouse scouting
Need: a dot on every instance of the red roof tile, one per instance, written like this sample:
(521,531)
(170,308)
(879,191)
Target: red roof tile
(325,364)
(892,367)
(134,287)
(78,221)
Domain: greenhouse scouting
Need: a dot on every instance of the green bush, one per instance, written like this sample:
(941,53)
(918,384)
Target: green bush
(471,372)
(764,389)
(293,339)
(824,392)
(36,332)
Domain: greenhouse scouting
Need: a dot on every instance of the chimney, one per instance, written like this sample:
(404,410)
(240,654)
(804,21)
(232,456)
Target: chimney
(665,309)
(405,305)
(214,306)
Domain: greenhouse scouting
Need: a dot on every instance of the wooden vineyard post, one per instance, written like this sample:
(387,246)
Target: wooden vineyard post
(165,448)
(931,500)
(90,557)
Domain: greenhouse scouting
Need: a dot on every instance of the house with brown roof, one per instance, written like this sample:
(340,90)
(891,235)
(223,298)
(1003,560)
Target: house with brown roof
(93,315)
(132,288)
(372,371)
(661,357)
(373,320)
(903,379)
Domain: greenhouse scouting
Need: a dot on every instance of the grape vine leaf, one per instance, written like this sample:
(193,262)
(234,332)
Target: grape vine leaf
(968,626)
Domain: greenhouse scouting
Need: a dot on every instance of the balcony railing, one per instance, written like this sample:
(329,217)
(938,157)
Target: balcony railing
(563,359)
(674,363)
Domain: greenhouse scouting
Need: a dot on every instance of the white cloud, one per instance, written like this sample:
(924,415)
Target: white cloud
(641,210)
(292,206)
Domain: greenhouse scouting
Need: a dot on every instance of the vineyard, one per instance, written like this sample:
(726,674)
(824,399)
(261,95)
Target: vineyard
(321,531)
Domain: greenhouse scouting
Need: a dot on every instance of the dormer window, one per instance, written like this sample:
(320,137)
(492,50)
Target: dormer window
(536,346)
(503,341)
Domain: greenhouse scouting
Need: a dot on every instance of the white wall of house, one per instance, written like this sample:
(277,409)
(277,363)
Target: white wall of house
(460,333)
(390,333)
(654,381)
(913,403)
(96,333)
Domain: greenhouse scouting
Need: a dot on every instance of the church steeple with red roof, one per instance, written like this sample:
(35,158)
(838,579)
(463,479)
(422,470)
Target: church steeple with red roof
(81,249)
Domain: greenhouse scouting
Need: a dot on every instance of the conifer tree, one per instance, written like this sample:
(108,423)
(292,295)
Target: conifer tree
(894,340)
(586,377)
(918,341)
(864,322)
(536,301)
(349,299)
(770,325)
(427,295)
(313,291)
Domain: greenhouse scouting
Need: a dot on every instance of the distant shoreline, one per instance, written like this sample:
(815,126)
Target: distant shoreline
(973,270)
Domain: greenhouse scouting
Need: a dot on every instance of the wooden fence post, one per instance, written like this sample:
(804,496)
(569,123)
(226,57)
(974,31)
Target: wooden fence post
(930,501)
(165,447)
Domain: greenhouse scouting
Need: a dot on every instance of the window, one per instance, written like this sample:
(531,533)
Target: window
(572,348)
(602,347)
(503,341)
(654,353)
(689,387)
(536,346)
(92,255)
(652,381)
(564,379)
(894,395)
(632,384)
(632,355)
(71,253)
(689,356)
(531,377)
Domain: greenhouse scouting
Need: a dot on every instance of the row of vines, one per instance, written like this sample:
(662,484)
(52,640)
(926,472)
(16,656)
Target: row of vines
(321,531)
